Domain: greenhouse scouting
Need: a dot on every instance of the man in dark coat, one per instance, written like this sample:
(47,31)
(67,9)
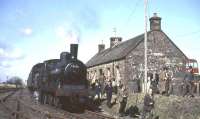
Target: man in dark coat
(122,97)
(109,90)
(154,84)
(188,83)
(148,105)
(102,84)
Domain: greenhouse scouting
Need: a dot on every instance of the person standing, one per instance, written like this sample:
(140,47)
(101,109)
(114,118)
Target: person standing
(188,82)
(123,96)
(94,78)
(164,81)
(153,84)
(118,76)
(109,90)
(102,84)
(36,97)
(167,82)
(114,85)
(97,89)
(148,105)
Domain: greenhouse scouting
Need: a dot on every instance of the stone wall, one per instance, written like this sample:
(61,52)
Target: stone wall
(104,67)
(161,52)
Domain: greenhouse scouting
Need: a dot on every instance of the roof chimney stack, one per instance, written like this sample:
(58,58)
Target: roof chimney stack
(101,47)
(155,22)
(115,41)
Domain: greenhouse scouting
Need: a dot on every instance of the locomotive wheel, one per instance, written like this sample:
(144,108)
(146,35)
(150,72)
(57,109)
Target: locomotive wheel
(42,100)
(45,99)
(56,102)
(49,99)
(41,97)
(52,100)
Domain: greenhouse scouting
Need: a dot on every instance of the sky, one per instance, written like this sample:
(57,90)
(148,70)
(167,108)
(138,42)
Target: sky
(32,31)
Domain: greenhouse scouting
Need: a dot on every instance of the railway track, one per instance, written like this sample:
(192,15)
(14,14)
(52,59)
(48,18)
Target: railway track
(62,114)
(86,115)
(19,107)
(95,115)
(3,102)
(5,95)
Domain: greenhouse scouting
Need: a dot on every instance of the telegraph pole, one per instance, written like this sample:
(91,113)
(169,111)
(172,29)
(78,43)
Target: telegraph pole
(145,46)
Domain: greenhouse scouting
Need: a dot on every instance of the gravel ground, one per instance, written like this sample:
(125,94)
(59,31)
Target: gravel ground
(3,113)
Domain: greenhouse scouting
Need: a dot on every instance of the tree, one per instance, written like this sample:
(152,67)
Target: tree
(15,80)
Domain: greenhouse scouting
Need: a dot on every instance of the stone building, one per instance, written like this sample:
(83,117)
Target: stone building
(126,59)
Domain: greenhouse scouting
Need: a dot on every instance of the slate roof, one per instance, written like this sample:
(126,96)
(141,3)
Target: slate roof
(120,51)
(116,53)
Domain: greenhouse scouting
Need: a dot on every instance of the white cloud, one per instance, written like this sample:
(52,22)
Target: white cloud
(1,51)
(12,62)
(16,53)
(5,64)
(26,31)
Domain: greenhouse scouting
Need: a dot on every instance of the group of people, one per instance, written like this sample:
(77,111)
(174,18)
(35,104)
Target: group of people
(162,83)
(121,95)
(112,90)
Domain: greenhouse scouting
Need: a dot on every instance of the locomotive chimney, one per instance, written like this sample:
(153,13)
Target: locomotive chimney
(74,50)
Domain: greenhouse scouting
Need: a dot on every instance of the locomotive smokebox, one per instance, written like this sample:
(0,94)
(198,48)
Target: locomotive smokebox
(74,50)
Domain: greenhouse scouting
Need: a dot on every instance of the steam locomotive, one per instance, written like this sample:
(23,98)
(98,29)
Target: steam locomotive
(61,82)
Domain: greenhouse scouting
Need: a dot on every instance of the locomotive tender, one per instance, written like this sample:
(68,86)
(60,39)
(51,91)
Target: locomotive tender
(61,82)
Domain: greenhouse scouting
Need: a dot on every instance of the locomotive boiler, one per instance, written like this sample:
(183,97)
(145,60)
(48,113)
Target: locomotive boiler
(61,82)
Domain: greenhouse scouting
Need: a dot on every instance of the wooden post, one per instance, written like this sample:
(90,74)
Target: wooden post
(145,46)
